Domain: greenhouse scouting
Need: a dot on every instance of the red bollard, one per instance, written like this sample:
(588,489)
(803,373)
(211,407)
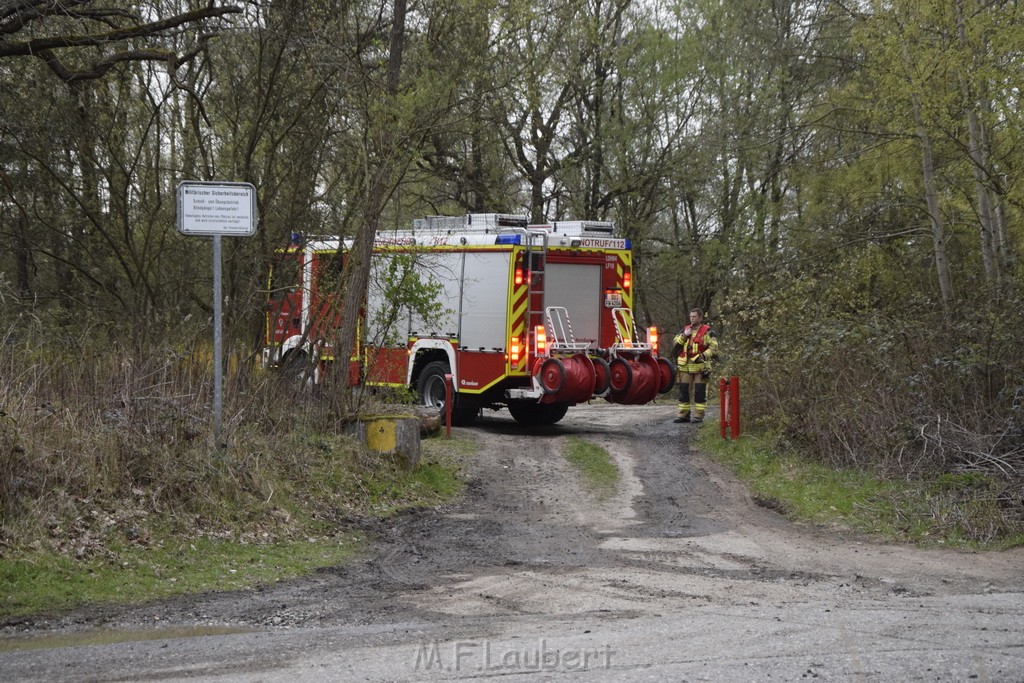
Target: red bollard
(723,406)
(734,407)
(729,407)
(448,406)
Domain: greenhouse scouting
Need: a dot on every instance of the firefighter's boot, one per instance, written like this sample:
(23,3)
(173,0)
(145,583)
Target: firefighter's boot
(700,401)
(683,416)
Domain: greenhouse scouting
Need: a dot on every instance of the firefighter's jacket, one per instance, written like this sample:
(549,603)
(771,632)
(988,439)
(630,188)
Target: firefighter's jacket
(695,350)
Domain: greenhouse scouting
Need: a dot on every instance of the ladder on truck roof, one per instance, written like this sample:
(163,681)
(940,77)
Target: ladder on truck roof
(535,256)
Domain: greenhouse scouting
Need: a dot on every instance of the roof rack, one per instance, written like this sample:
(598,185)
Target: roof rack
(583,228)
(469,223)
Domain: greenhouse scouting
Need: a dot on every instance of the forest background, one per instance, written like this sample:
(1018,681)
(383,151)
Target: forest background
(840,185)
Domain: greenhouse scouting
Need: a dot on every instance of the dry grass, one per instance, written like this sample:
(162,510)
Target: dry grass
(106,441)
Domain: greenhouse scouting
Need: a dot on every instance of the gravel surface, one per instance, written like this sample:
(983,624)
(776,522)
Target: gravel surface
(677,575)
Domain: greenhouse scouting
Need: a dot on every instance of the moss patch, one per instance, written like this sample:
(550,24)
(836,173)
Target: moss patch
(599,470)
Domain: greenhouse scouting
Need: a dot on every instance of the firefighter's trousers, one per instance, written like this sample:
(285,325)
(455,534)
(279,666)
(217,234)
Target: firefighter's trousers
(693,394)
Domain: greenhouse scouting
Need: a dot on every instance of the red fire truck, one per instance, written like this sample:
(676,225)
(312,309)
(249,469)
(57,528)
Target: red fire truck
(534,318)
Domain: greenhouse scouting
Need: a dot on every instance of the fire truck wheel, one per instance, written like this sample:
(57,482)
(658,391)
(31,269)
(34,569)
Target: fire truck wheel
(431,390)
(667,376)
(552,376)
(537,414)
(295,366)
(602,373)
(620,375)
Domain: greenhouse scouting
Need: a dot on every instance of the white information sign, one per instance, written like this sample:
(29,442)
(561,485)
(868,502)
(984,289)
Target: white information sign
(214,208)
(217,210)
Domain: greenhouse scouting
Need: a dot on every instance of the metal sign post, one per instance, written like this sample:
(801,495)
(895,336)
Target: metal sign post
(218,360)
(214,209)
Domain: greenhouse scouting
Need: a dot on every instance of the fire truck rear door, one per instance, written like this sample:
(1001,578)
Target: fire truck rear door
(577,288)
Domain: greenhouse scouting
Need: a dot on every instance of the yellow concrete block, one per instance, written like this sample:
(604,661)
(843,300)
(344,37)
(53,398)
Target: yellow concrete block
(399,434)
(381,435)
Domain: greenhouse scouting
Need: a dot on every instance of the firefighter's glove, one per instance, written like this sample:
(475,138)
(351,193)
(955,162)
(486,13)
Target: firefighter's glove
(705,372)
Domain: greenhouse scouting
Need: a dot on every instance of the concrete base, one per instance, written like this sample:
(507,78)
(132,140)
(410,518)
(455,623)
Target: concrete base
(386,434)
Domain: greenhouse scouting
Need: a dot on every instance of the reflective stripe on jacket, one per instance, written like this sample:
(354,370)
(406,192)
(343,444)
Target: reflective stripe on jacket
(703,341)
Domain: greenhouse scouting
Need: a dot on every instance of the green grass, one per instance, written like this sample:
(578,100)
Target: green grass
(40,579)
(599,470)
(945,511)
(50,582)
(434,480)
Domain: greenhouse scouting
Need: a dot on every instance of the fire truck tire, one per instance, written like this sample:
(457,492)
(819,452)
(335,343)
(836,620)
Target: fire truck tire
(620,375)
(431,391)
(295,366)
(465,411)
(666,376)
(552,376)
(537,414)
(602,373)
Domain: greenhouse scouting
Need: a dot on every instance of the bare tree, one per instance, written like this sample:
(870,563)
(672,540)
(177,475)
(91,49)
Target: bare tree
(388,162)
(82,40)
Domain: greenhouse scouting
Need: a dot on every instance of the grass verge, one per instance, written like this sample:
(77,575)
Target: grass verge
(48,582)
(599,470)
(961,510)
(124,553)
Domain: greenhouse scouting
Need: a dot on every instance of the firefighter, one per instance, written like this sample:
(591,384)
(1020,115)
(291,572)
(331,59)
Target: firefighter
(694,348)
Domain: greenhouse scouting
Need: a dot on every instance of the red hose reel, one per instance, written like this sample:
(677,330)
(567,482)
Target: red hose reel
(578,378)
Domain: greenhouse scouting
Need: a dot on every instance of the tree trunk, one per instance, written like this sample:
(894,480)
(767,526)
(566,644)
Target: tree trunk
(985,218)
(23,257)
(976,151)
(932,201)
(356,275)
(1001,247)
(537,200)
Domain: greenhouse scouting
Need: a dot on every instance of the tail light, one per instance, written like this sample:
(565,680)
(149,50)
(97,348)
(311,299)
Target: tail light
(542,341)
(652,339)
(627,279)
(514,350)
(519,276)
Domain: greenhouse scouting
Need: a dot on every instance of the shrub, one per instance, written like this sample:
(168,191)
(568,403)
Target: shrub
(108,436)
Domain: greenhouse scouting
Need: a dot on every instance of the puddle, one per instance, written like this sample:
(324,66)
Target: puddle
(105,636)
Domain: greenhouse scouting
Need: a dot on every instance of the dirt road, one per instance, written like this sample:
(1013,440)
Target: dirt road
(677,575)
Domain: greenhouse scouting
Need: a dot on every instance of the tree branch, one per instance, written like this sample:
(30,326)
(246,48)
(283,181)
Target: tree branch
(33,46)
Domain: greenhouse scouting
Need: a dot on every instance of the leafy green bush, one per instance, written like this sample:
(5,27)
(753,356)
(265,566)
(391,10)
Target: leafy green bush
(848,367)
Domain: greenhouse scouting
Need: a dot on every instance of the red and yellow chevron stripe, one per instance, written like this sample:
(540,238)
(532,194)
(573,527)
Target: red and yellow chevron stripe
(519,307)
